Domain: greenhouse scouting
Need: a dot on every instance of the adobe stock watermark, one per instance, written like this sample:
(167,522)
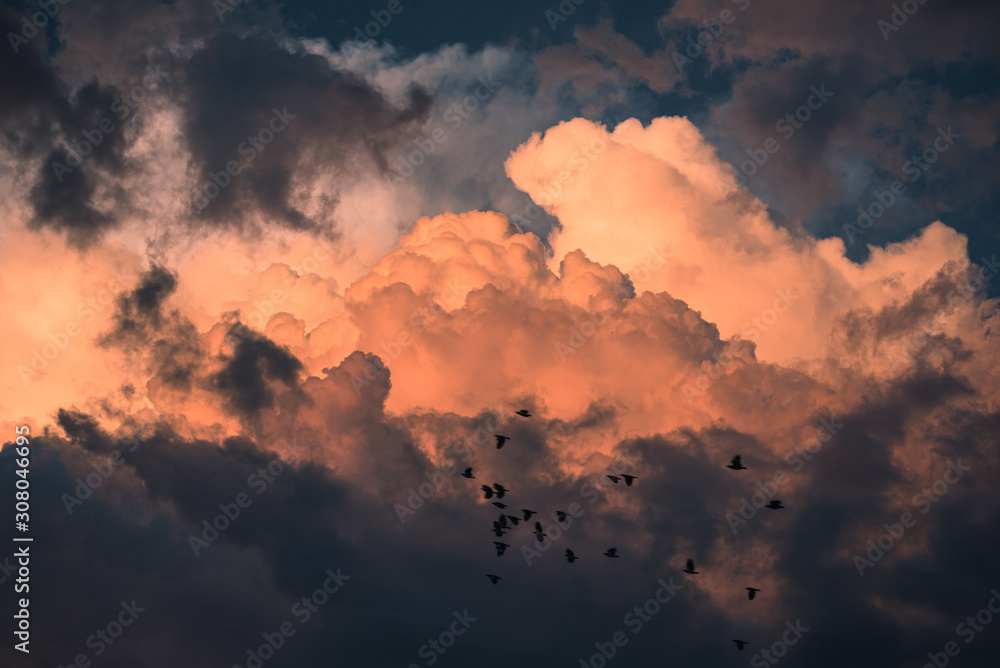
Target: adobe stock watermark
(223,7)
(552,533)
(262,309)
(579,161)
(372,29)
(59,340)
(435,648)
(584,330)
(258,481)
(879,546)
(249,148)
(87,485)
(779,648)
(967,630)
(929,326)
(562,12)
(635,620)
(418,323)
(713,28)
(786,125)
(31,24)
(768,490)
(751,330)
(591,490)
(406,166)
(302,611)
(898,18)
(914,168)
(124,105)
(435,479)
(103,638)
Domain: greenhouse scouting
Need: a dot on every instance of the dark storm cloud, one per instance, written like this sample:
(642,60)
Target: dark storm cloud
(73,134)
(898,73)
(143,328)
(36,110)
(32,96)
(236,88)
(131,539)
(232,90)
(855,486)
(140,312)
(246,376)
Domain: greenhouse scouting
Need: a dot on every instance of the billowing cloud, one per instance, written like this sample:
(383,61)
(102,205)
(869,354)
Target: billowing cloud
(273,396)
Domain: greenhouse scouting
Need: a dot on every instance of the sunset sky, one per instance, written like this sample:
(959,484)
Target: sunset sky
(273,275)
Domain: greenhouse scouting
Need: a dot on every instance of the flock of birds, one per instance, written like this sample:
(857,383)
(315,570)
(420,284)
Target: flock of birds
(506,522)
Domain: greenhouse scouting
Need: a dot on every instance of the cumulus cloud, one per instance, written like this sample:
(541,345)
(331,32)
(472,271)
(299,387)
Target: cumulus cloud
(325,347)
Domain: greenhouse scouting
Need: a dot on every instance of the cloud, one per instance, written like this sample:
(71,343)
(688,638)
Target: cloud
(316,354)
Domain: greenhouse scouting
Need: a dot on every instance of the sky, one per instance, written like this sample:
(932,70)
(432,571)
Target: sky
(275,276)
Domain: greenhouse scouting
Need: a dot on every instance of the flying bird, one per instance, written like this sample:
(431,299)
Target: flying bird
(488,491)
(501,490)
(737,465)
(628,479)
(502,521)
(467,473)
(513,519)
(614,479)
(689,569)
(493,578)
(774,505)
(499,505)
(523,413)
(528,513)
(538,532)
(752,592)
(570,557)
(740,644)
(501,547)
(501,440)
(561,515)
(613,553)
(497,529)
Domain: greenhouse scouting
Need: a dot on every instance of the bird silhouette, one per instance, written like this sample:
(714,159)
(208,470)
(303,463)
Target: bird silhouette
(467,473)
(561,515)
(497,529)
(740,644)
(774,505)
(501,490)
(614,479)
(513,519)
(528,513)
(493,578)
(689,569)
(502,521)
(570,557)
(737,465)
(538,532)
(499,505)
(628,479)
(501,547)
(523,413)
(501,440)
(751,592)
(488,491)
(613,553)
